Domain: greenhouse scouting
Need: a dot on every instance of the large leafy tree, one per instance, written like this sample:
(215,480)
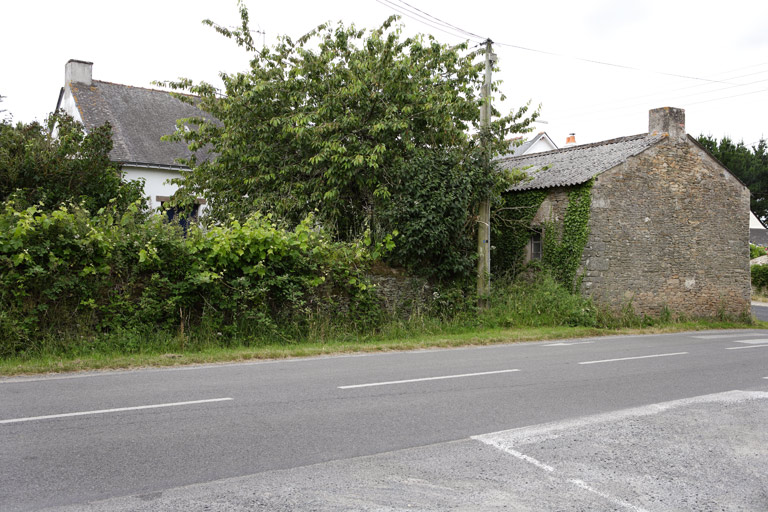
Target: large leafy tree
(749,164)
(335,123)
(2,110)
(59,162)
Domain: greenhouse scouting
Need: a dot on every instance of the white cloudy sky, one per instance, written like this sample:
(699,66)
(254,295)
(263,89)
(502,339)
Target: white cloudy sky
(722,47)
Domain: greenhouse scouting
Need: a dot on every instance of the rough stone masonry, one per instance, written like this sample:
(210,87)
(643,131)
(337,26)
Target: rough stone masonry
(669,228)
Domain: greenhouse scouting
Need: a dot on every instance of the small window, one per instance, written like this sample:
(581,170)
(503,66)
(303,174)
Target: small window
(536,246)
(184,216)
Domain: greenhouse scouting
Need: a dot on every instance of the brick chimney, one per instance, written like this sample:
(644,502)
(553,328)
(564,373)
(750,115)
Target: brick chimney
(668,120)
(570,140)
(78,71)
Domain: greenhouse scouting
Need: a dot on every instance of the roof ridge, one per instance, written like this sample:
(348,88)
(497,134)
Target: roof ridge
(577,164)
(580,146)
(145,88)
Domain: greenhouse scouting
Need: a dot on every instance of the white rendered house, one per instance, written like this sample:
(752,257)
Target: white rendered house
(139,118)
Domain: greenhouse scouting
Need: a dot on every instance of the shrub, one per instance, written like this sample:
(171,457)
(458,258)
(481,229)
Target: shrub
(755,251)
(70,275)
(759,276)
(58,162)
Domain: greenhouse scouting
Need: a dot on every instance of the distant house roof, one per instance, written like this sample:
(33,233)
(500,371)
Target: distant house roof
(139,118)
(576,164)
(758,234)
(532,145)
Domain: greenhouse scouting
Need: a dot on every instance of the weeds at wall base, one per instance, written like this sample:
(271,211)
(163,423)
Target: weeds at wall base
(520,311)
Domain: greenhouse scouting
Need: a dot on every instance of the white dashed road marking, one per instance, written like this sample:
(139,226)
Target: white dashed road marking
(632,358)
(748,346)
(565,344)
(425,379)
(105,411)
(721,336)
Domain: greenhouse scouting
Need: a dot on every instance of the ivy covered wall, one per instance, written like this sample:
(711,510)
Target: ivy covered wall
(565,230)
(511,229)
(564,241)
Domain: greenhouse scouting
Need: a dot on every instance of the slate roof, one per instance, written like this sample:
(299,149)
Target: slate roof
(139,117)
(758,236)
(576,164)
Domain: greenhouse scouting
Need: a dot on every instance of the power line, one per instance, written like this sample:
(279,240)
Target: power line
(426,18)
(607,116)
(634,104)
(421,19)
(441,21)
(728,97)
(623,102)
(610,64)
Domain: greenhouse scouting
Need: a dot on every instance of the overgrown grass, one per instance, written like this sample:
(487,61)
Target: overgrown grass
(520,311)
(759,295)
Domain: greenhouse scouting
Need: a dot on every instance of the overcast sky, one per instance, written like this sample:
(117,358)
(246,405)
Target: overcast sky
(710,58)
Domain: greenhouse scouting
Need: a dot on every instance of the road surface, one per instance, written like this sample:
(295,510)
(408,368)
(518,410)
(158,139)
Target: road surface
(658,422)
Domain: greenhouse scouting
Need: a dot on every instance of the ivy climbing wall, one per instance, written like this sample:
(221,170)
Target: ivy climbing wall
(561,215)
(666,230)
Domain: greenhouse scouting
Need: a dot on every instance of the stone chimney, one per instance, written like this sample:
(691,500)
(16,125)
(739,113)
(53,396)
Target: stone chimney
(78,71)
(668,120)
(570,140)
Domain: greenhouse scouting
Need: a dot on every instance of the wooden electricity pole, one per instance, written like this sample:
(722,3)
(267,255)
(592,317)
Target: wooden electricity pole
(484,215)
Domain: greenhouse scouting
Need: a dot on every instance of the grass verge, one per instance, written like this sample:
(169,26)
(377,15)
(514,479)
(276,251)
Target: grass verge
(208,355)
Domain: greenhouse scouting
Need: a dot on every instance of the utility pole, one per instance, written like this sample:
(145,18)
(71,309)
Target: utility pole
(484,215)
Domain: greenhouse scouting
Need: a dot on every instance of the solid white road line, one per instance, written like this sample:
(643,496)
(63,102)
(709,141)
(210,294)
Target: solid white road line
(508,440)
(565,344)
(748,346)
(752,342)
(425,379)
(503,439)
(105,411)
(522,456)
(546,467)
(631,358)
(608,497)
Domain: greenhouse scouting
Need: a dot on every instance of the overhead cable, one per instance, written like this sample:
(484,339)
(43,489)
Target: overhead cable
(470,34)
(421,19)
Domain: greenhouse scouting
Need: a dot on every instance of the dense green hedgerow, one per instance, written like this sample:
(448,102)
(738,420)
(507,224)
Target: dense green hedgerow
(66,274)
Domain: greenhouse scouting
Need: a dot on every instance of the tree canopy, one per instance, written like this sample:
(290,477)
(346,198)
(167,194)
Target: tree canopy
(750,165)
(59,162)
(356,126)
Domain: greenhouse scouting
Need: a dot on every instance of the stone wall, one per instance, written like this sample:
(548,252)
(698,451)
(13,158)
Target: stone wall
(669,228)
(401,295)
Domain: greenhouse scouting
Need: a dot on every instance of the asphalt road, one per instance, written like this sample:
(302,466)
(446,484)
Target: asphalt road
(760,310)
(425,430)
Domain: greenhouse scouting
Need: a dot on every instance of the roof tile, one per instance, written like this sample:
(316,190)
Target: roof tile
(576,164)
(139,118)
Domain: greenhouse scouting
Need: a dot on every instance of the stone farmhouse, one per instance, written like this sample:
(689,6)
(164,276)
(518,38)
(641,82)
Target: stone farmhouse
(668,223)
(139,118)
